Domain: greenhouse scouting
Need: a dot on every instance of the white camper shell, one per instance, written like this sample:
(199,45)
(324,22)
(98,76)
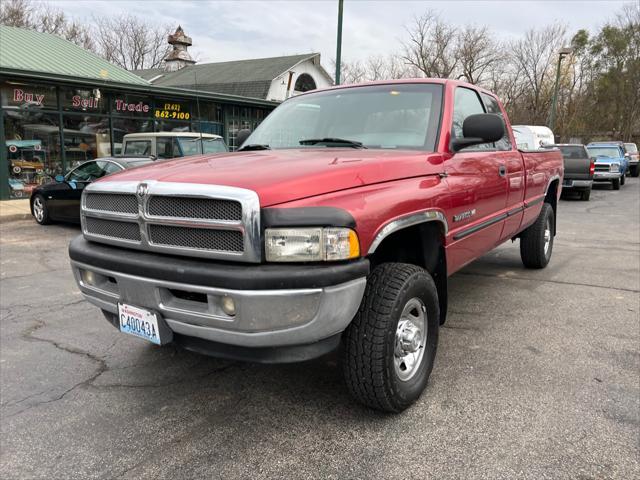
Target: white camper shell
(533,137)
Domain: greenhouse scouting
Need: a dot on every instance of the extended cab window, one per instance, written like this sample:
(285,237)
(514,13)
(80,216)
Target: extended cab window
(396,116)
(492,106)
(137,147)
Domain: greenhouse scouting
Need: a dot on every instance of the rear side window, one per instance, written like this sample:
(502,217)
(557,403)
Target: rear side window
(574,152)
(137,147)
(492,106)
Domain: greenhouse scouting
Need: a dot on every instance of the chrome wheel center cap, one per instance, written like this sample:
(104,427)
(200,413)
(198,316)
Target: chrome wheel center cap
(410,338)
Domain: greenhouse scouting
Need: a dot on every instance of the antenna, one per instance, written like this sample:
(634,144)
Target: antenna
(195,81)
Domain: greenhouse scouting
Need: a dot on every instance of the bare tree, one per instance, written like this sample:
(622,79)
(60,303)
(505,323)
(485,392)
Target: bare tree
(430,47)
(477,52)
(130,42)
(534,56)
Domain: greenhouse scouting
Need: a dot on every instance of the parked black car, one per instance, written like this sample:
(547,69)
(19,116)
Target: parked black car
(578,169)
(60,200)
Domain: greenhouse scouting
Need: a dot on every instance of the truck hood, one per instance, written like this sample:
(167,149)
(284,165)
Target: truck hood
(280,176)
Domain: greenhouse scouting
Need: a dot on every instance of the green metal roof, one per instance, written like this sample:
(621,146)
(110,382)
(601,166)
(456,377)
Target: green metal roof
(28,50)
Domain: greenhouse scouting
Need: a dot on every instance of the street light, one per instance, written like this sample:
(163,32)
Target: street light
(561,54)
(339,42)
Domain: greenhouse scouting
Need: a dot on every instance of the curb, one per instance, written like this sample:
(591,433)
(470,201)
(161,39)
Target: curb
(14,216)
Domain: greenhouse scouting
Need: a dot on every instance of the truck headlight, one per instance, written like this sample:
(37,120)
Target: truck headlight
(615,167)
(310,244)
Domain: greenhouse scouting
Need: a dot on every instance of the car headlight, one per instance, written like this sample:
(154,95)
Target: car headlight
(310,244)
(615,167)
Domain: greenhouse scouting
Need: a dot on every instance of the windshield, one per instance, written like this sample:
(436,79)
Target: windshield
(382,116)
(573,152)
(631,147)
(191,145)
(613,152)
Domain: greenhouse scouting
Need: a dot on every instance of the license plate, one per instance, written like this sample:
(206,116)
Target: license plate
(139,322)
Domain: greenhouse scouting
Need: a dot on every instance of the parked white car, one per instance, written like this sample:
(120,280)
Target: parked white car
(166,145)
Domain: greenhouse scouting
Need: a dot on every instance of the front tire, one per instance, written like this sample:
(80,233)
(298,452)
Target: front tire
(615,184)
(390,346)
(536,242)
(40,210)
(623,179)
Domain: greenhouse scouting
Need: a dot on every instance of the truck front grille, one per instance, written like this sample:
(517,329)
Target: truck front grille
(112,202)
(113,229)
(602,168)
(203,208)
(200,238)
(177,218)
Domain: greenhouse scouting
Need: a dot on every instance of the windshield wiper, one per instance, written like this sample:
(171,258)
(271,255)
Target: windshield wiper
(254,146)
(315,141)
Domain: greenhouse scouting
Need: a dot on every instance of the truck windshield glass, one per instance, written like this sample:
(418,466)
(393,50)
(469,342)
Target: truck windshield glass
(631,147)
(381,116)
(605,152)
(213,145)
(573,152)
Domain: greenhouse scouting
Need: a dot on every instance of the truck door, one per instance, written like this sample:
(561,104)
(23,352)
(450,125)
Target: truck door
(477,178)
(504,152)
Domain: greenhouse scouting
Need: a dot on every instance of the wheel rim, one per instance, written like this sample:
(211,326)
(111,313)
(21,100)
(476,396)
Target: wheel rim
(38,209)
(547,237)
(410,339)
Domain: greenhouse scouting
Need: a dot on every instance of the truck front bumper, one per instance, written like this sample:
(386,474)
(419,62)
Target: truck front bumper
(276,306)
(605,176)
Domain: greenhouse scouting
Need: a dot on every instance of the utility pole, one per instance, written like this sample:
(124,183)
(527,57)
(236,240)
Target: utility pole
(561,54)
(339,42)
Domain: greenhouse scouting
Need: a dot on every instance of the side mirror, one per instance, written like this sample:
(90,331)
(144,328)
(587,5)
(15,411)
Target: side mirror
(59,178)
(242,136)
(479,128)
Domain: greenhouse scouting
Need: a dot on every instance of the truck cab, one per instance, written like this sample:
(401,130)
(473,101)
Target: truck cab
(167,145)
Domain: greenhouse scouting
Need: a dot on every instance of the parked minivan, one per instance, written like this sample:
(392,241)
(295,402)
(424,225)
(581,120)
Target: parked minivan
(166,145)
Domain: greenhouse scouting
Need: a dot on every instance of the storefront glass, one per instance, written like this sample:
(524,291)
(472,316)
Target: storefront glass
(85,137)
(33,150)
(122,126)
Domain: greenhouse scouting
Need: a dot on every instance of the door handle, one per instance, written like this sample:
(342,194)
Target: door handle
(502,170)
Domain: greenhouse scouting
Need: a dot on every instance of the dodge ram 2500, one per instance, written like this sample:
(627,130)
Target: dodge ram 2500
(336,224)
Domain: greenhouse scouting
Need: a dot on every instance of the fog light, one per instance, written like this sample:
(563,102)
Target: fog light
(89,277)
(228,306)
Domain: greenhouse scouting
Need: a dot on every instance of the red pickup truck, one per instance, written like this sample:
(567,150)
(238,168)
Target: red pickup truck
(336,224)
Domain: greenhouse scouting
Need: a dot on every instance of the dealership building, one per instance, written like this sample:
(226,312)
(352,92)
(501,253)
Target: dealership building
(62,105)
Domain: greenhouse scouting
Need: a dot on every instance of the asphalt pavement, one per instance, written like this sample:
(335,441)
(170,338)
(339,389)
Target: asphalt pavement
(537,376)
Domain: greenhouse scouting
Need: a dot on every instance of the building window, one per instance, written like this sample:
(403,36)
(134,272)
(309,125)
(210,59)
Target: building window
(83,100)
(25,96)
(85,137)
(33,150)
(131,105)
(304,83)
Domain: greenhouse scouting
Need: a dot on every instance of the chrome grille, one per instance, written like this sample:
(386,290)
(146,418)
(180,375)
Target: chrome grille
(112,202)
(112,229)
(210,221)
(200,238)
(201,208)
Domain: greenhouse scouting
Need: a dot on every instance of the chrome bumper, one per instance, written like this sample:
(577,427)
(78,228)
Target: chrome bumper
(577,184)
(263,318)
(599,176)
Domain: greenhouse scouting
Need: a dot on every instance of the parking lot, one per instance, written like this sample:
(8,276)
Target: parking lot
(537,376)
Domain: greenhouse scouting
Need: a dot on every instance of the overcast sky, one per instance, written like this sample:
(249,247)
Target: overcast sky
(233,30)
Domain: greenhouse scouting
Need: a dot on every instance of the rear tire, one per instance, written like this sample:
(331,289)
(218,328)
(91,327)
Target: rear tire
(536,242)
(585,195)
(615,184)
(390,346)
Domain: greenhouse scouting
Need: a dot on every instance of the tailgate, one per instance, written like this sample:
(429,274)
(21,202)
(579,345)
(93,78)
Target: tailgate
(577,168)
